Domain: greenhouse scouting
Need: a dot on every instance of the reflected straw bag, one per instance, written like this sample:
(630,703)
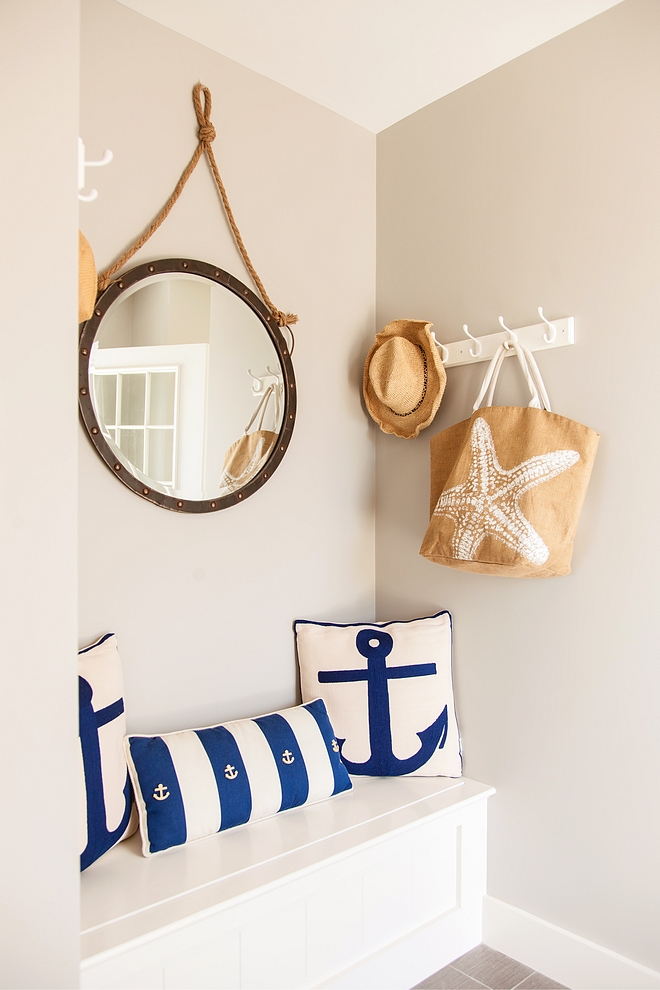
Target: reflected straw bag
(508,484)
(247,456)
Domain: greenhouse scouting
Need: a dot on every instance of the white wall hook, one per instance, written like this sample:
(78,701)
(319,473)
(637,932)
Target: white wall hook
(473,353)
(444,353)
(553,329)
(511,339)
(82,165)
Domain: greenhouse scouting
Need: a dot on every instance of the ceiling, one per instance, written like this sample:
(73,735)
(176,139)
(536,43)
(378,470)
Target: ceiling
(372,61)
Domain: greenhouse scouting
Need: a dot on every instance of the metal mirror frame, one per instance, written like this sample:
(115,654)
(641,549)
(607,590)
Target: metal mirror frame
(88,334)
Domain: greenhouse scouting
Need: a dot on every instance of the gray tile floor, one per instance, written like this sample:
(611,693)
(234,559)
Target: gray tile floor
(484,967)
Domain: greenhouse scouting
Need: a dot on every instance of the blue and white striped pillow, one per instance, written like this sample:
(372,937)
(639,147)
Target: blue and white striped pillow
(200,781)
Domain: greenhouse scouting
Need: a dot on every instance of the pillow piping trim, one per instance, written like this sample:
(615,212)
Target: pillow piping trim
(98,642)
(381,625)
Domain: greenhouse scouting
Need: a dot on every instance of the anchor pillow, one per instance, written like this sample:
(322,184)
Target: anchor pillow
(388,690)
(105,789)
(194,783)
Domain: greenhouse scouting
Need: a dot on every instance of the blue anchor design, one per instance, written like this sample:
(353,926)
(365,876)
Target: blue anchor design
(99,839)
(376,645)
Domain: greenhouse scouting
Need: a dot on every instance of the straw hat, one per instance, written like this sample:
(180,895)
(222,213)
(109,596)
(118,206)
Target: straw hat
(86,279)
(404,378)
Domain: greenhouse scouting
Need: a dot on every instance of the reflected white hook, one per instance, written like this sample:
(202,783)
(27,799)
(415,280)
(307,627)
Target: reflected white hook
(512,337)
(472,352)
(261,383)
(444,353)
(553,336)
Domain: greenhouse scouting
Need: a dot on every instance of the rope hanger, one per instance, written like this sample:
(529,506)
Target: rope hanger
(206,134)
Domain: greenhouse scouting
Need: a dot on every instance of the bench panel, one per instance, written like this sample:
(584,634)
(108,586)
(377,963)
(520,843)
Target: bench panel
(383,910)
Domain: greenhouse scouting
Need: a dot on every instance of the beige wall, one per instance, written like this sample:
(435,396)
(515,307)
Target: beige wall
(539,184)
(38,314)
(203,606)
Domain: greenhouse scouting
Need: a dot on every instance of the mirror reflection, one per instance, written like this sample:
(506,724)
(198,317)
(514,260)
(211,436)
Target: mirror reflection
(187,386)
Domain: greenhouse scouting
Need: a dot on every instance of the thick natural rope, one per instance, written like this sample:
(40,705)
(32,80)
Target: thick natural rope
(206,135)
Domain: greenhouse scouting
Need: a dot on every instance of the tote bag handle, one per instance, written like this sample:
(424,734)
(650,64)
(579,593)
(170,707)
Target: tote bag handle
(261,408)
(539,396)
(532,374)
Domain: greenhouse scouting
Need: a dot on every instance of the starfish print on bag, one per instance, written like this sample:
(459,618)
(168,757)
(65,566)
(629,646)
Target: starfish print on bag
(487,503)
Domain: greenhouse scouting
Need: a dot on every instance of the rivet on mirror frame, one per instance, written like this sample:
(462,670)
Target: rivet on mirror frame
(179,505)
(84,352)
(145,491)
(184,264)
(120,284)
(240,495)
(265,475)
(245,292)
(281,448)
(151,268)
(97,312)
(117,467)
(95,430)
(83,391)
(214,505)
(291,416)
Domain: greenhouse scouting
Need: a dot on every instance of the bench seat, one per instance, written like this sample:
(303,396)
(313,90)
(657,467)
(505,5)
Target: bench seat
(377,887)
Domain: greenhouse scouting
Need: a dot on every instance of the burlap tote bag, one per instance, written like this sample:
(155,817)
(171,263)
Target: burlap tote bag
(247,456)
(507,485)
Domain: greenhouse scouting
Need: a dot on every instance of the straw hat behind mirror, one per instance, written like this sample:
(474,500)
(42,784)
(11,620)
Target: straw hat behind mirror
(404,378)
(86,279)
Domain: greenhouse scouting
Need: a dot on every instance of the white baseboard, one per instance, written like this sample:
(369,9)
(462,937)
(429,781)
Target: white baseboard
(570,959)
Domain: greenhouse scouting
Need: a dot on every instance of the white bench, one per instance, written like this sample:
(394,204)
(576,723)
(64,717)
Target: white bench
(378,887)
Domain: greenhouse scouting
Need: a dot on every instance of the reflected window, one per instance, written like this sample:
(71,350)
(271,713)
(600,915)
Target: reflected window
(137,411)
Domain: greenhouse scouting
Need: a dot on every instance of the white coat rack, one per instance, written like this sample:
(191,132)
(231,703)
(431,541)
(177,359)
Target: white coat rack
(539,337)
(82,165)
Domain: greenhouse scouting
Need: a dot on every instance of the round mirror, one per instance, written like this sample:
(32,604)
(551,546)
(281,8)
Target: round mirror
(186,385)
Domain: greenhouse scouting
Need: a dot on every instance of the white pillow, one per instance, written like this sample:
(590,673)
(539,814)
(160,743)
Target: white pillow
(388,690)
(105,789)
(194,783)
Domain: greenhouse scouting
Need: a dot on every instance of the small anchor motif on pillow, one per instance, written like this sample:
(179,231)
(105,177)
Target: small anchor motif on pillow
(335,745)
(161,793)
(231,773)
(287,756)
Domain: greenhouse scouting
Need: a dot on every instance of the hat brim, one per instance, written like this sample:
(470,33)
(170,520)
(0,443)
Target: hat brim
(407,426)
